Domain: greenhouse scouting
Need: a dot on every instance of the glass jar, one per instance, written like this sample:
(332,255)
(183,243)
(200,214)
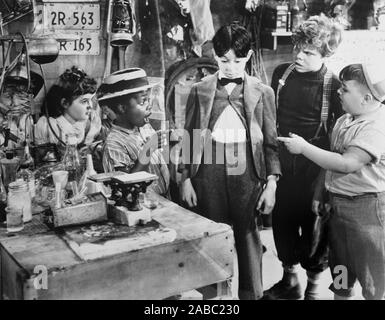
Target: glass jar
(19,197)
(14,219)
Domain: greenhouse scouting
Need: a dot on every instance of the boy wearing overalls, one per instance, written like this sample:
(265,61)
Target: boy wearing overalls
(307,104)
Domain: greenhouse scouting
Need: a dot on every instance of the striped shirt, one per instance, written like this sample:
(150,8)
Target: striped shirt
(122,148)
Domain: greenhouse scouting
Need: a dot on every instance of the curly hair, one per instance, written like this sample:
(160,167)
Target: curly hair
(71,84)
(75,82)
(320,33)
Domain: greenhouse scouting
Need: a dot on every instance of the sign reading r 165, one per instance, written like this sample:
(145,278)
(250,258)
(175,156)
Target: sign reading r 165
(86,43)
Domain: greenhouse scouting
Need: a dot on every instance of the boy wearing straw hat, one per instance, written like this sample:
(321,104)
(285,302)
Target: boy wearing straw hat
(355,180)
(132,144)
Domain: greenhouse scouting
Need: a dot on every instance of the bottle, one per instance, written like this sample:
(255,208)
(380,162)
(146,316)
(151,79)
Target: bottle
(295,15)
(71,163)
(25,172)
(27,159)
(92,187)
(9,166)
(288,26)
(3,200)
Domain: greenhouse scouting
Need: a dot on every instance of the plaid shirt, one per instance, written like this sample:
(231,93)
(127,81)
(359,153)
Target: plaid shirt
(122,148)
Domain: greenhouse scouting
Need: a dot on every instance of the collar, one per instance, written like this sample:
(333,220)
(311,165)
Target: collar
(370,116)
(313,75)
(125,130)
(68,126)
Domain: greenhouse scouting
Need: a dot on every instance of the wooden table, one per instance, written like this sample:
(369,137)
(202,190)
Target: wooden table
(201,254)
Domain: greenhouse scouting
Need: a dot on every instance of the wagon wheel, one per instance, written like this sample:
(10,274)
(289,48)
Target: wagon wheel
(182,76)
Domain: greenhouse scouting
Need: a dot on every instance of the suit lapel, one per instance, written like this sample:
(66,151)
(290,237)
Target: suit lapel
(251,96)
(206,95)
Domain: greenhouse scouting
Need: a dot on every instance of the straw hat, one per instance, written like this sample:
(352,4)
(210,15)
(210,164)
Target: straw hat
(124,82)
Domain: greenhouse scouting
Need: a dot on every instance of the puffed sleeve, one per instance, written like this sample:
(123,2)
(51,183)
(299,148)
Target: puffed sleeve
(43,133)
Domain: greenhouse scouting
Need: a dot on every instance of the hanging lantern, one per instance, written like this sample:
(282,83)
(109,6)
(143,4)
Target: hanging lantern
(123,23)
(19,72)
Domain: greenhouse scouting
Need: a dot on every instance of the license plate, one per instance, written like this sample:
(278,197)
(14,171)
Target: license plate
(62,16)
(85,43)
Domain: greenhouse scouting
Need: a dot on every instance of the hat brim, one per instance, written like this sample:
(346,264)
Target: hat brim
(37,82)
(376,92)
(150,85)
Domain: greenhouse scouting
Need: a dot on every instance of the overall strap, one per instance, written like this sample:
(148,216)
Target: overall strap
(282,81)
(326,93)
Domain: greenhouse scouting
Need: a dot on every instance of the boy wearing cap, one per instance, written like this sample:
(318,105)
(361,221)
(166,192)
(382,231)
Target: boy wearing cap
(234,114)
(132,144)
(355,179)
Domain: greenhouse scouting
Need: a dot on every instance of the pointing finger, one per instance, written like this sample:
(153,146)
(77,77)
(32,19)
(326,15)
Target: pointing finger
(293,135)
(283,139)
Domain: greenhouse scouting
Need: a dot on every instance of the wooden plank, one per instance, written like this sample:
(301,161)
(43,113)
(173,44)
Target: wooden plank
(41,249)
(12,277)
(186,223)
(1,274)
(154,273)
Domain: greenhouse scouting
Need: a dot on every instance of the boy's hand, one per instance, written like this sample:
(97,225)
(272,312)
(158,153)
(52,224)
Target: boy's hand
(266,201)
(157,141)
(188,194)
(295,144)
(162,136)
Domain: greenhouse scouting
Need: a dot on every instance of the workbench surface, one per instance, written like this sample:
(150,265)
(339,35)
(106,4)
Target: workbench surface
(201,254)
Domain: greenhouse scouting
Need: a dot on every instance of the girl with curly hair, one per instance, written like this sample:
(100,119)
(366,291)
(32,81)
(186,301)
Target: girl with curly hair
(71,108)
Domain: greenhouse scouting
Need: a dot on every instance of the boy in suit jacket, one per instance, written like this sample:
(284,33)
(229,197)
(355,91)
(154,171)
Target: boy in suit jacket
(233,165)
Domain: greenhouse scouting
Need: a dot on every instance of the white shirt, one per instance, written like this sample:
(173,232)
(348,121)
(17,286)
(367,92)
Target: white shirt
(229,128)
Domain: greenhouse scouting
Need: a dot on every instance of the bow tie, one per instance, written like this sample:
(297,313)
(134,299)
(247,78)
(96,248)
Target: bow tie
(225,81)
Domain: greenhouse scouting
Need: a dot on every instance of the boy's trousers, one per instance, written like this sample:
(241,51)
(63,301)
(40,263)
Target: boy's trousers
(232,198)
(357,244)
(293,222)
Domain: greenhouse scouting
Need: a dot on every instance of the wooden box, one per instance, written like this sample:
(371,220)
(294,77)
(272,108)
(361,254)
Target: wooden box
(93,211)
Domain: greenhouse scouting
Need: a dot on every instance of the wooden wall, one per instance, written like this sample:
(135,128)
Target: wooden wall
(91,64)
(147,52)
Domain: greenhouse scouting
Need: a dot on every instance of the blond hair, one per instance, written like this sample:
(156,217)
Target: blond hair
(320,33)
